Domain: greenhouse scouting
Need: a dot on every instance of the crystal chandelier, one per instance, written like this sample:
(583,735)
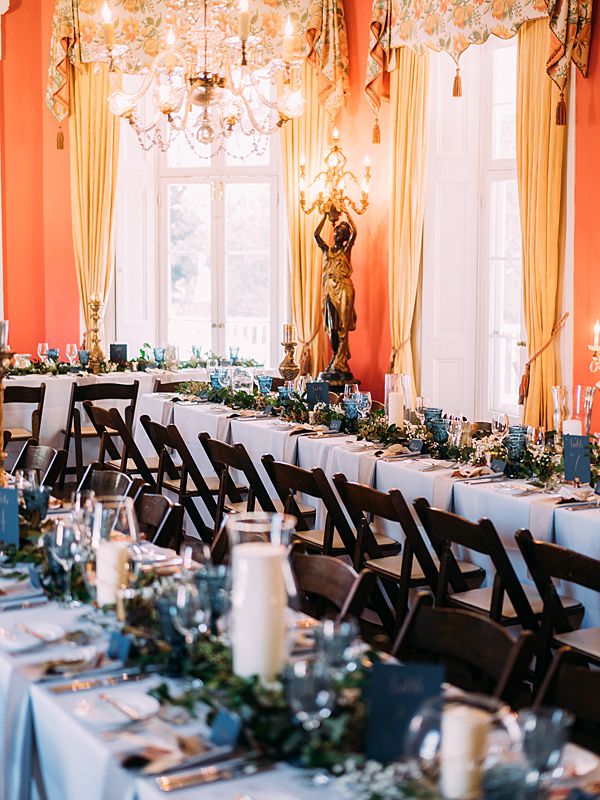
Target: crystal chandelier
(211,77)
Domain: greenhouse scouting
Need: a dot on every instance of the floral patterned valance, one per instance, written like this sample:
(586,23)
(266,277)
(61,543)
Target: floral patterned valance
(453,25)
(77,38)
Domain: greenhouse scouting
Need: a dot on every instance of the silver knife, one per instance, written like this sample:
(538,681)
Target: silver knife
(33,602)
(223,772)
(104,681)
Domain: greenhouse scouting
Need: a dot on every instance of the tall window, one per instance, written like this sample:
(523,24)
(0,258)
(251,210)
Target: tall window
(501,228)
(472,276)
(219,247)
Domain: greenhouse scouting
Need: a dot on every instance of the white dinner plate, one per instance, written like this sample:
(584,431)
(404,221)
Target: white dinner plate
(515,489)
(102,715)
(14,639)
(577,763)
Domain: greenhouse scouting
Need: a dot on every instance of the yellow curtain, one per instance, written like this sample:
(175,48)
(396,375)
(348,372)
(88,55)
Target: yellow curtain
(540,173)
(94,153)
(408,142)
(305,137)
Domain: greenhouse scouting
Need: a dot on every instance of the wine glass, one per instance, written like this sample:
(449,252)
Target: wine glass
(64,543)
(536,439)
(455,430)
(499,424)
(364,403)
(83,506)
(350,391)
(421,403)
(190,613)
(71,352)
(545,732)
(310,692)
(42,351)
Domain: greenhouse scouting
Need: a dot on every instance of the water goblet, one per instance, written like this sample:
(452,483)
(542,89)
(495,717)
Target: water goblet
(364,403)
(350,391)
(42,351)
(536,440)
(265,383)
(456,429)
(84,357)
(234,354)
(335,644)
(64,543)
(421,403)
(71,353)
(83,505)
(159,355)
(544,734)
(310,692)
(190,613)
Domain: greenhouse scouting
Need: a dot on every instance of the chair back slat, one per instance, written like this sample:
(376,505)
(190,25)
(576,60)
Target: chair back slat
(172,387)
(159,439)
(46,461)
(28,395)
(161,520)
(105,483)
(446,529)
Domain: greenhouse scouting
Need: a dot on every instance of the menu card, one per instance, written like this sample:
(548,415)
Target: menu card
(396,693)
(577,458)
(317,392)
(118,353)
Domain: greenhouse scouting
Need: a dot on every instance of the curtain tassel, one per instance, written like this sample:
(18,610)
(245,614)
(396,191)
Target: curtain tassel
(60,139)
(376,138)
(305,361)
(457,85)
(561,110)
(524,385)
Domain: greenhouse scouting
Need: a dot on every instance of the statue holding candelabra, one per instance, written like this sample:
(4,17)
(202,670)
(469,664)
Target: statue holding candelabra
(337,301)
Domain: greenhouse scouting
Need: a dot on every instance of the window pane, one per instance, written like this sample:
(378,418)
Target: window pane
(506,295)
(189,237)
(180,154)
(247,268)
(504,102)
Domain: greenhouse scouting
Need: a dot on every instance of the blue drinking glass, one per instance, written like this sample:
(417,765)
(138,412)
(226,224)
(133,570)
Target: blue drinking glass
(439,429)
(53,353)
(159,354)
(265,382)
(215,380)
(84,357)
(429,414)
(350,409)
(284,393)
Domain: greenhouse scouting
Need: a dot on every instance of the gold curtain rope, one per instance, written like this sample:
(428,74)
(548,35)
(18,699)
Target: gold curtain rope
(524,385)
(305,359)
(397,350)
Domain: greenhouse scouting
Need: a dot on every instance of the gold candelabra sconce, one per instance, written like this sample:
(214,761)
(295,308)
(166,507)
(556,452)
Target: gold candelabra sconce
(289,369)
(332,184)
(595,349)
(92,336)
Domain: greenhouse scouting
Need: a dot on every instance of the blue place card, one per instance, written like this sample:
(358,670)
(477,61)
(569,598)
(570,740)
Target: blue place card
(118,353)
(335,425)
(226,728)
(317,392)
(396,693)
(119,646)
(497,465)
(416,445)
(9,516)
(577,458)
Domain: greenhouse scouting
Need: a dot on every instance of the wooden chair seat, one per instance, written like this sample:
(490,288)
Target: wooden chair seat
(89,432)
(391,567)
(481,599)
(585,641)
(238,508)
(19,434)
(115,463)
(315,539)
(174,485)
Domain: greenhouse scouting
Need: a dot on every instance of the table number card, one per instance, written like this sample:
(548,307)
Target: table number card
(317,392)
(396,693)
(118,353)
(9,516)
(577,458)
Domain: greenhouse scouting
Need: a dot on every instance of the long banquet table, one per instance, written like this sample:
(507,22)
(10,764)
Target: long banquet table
(578,530)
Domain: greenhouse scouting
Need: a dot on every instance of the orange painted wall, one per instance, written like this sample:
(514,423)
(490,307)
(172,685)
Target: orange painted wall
(586,304)
(370,344)
(40,289)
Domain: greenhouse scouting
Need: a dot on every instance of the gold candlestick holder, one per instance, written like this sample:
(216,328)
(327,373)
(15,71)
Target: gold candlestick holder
(289,369)
(5,361)
(93,334)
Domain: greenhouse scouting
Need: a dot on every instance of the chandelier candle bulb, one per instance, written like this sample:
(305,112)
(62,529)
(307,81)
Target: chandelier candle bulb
(244,20)
(288,41)
(396,409)
(108,26)
(463,749)
(258,630)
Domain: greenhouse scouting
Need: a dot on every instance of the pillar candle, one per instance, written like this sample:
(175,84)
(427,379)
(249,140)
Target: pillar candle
(289,334)
(258,630)
(572,427)
(463,749)
(244,20)
(111,571)
(396,408)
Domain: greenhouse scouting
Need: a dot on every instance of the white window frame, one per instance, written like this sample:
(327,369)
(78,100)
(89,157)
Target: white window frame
(218,174)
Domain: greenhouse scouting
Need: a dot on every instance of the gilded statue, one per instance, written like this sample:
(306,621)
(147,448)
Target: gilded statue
(337,301)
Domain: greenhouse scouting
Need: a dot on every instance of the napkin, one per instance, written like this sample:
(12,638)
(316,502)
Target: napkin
(395,450)
(472,472)
(576,493)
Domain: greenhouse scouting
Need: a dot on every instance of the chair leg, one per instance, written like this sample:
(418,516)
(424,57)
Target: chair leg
(205,533)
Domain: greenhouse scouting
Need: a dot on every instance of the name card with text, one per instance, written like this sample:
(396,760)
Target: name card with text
(577,458)
(317,392)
